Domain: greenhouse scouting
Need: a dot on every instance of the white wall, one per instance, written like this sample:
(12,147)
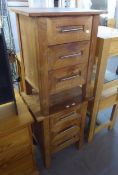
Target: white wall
(111,8)
(41,3)
(14,30)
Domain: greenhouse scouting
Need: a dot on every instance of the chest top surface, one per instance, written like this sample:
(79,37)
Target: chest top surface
(51,12)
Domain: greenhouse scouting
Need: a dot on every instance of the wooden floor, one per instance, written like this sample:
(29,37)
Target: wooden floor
(98,158)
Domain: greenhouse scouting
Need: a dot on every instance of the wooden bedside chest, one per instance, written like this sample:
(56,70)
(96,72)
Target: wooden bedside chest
(57,53)
(16,147)
(57,56)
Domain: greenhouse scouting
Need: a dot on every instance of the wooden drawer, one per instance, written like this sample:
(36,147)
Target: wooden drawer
(65,129)
(24,166)
(68,134)
(68,29)
(62,117)
(14,146)
(68,54)
(63,120)
(67,78)
(67,142)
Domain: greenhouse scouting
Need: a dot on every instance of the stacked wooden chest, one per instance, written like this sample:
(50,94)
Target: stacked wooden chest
(57,55)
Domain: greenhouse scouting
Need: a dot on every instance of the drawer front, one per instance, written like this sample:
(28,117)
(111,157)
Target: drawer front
(65,129)
(64,121)
(14,146)
(66,115)
(67,142)
(65,135)
(68,29)
(68,54)
(67,78)
(24,166)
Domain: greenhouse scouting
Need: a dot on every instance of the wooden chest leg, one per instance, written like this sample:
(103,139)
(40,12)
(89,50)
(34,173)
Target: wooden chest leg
(113,116)
(83,116)
(93,118)
(28,88)
(83,113)
(46,136)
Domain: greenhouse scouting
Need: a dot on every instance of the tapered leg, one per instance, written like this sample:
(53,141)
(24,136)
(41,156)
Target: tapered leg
(93,118)
(83,121)
(46,137)
(113,116)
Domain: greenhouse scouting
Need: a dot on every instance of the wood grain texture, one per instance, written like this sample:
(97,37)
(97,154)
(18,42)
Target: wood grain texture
(102,63)
(105,95)
(82,112)
(52,67)
(59,49)
(5,144)
(67,126)
(28,38)
(108,101)
(58,130)
(68,29)
(113,116)
(33,104)
(65,55)
(92,54)
(8,118)
(16,151)
(110,84)
(64,144)
(43,63)
(65,135)
(67,99)
(63,117)
(46,141)
(67,78)
(25,168)
(65,122)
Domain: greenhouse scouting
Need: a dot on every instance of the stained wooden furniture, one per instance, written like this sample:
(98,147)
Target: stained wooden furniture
(57,55)
(57,52)
(57,131)
(16,148)
(105,93)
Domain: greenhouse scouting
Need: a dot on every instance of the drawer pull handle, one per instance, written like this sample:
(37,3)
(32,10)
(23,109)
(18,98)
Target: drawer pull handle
(71,55)
(73,104)
(88,31)
(72,77)
(79,29)
(67,106)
